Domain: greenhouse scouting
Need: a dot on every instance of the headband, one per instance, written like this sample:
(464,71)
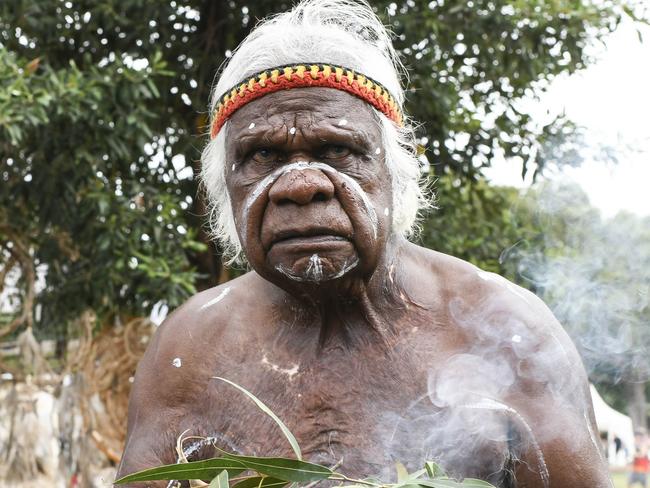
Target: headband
(302,76)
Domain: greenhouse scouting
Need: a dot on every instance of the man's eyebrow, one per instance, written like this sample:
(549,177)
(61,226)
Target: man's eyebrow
(327,130)
(257,136)
(347,132)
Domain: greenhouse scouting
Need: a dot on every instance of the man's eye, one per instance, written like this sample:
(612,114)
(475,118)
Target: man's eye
(335,152)
(264,155)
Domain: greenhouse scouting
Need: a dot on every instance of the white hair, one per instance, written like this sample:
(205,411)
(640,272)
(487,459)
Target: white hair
(340,32)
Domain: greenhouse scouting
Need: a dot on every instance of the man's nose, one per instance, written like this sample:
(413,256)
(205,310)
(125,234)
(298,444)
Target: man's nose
(302,187)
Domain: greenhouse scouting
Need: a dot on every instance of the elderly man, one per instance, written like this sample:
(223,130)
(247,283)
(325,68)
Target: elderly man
(370,348)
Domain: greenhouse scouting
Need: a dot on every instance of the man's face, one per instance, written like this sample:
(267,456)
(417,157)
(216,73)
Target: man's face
(309,188)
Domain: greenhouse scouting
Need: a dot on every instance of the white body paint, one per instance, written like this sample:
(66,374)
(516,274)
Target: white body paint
(391,273)
(299,166)
(592,436)
(292,131)
(216,299)
(386,211)
(177,363)
(343,122)
(490,404)
(290,372)
(252,125)
(495,278)
(195,446)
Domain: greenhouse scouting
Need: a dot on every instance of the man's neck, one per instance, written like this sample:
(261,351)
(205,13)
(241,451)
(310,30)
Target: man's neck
(360,309)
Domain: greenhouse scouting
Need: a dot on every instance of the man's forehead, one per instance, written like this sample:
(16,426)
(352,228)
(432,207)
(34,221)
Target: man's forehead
(313,104)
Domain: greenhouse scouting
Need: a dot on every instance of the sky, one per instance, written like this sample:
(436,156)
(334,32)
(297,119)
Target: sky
(611,100)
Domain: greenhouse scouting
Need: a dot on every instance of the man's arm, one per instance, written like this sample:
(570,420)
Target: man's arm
(556,423)
(170,381)
(157,398)
(147,441)
(566,457)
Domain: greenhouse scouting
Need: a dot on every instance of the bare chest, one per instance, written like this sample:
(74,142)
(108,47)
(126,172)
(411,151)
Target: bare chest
(362,407)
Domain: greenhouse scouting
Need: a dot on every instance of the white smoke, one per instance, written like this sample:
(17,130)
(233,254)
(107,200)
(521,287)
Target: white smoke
(595,276)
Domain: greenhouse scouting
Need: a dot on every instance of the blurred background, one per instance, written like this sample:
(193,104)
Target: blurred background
(533,129)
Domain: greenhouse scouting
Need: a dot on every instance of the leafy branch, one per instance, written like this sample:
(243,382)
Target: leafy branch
(279,472)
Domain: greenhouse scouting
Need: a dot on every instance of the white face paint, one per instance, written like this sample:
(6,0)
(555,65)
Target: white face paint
(315,268)
(217,299)
(292,131)
(177,362)
(343,122)
(299,166)
(252,125)
(232,168)
(386,211)
(378,150)
(309,278)
(516,338)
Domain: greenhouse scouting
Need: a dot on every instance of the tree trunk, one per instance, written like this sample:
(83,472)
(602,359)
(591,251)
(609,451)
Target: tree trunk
(637,405)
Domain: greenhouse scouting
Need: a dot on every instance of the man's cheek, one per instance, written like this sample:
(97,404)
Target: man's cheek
(370,214)
(366,216)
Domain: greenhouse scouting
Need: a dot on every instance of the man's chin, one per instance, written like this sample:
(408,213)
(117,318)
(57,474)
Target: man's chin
(316,259)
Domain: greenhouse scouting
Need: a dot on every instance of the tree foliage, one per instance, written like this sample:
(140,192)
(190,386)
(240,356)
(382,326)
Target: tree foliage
(475,221)
(472,62)
(103,115)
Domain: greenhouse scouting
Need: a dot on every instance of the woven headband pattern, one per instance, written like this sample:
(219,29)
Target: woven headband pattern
(301,76)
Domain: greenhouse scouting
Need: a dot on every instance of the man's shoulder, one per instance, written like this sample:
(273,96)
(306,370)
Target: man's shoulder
(472,291)
(207,318)
(500,319)
(216,306)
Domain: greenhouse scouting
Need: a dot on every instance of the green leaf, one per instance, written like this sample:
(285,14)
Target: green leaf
(221,481)
(402,473)
(261,482)
(439,483)
(195,470)
(284,468)
(433,469)
(474,483)
(285,430)
(406,480)
(449,483)
(416,474)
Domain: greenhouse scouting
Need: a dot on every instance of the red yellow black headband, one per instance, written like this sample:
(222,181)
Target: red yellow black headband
(301,76)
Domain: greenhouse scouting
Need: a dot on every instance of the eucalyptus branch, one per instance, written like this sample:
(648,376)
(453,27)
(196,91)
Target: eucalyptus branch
(333,468)
(278,472)
(342,477)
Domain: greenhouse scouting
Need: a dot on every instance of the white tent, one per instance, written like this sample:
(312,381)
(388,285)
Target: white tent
(613,424)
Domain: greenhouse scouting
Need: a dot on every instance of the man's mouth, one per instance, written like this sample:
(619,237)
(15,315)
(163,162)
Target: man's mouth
(308,239)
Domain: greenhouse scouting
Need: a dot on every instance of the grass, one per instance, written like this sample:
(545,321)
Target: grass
(620,479)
